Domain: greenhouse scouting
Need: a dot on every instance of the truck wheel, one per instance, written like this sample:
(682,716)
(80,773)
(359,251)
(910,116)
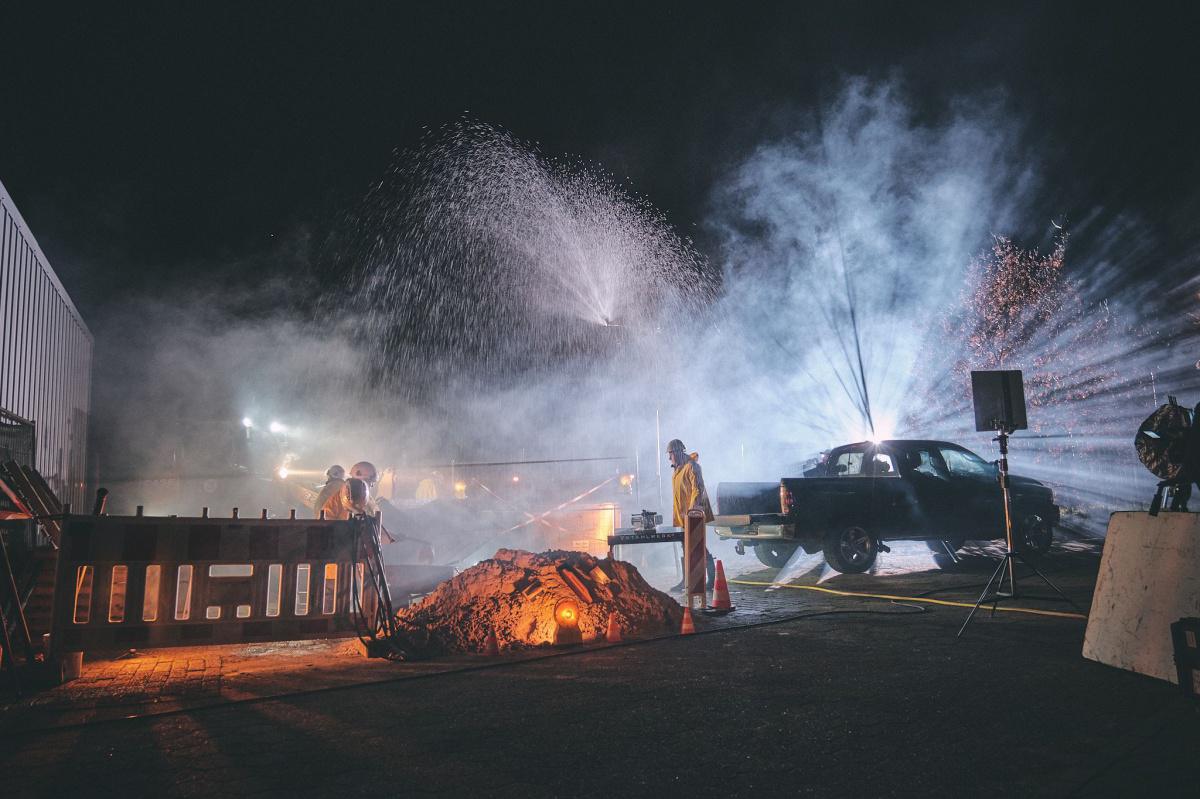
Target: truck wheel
(851,550)
(775,555)
(1035,534)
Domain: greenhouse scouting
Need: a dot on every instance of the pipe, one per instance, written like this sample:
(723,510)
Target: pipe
(101,502)
(456,465)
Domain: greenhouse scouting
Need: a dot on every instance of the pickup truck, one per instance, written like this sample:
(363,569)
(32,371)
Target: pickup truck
(864,494)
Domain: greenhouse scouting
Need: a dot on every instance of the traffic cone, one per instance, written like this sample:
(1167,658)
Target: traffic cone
(720,597)
(613,635)
(491,646)
(687,628)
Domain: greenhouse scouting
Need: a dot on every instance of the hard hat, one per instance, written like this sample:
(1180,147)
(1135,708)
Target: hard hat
(335,472)
(364,470)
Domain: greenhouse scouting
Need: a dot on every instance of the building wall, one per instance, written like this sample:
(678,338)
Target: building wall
(45,357)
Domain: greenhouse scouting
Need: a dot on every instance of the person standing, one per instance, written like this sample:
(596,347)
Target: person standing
(360,489)
(334,498)
(687,492)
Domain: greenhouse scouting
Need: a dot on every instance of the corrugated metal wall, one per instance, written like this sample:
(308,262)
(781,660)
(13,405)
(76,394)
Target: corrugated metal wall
(45,357)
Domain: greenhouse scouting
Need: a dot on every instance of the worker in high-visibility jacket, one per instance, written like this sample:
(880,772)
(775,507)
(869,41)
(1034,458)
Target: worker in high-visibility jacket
(687,492)
(360,488)
(334,498)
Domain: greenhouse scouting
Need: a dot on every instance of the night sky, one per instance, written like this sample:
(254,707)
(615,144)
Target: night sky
(146,148)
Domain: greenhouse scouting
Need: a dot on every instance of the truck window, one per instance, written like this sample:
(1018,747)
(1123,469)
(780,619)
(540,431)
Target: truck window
(926,462)
(847,464)
(882,465)
(961,462)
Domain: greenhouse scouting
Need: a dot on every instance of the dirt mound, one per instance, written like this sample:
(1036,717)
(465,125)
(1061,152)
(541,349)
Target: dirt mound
(516,595)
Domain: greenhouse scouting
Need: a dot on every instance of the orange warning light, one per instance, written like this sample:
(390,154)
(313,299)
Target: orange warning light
(566,613)
(566,628)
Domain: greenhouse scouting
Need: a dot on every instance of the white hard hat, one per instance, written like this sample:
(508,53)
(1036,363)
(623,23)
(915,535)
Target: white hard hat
(364,470)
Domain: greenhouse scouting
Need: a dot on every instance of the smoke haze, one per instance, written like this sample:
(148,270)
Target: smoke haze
(491,303)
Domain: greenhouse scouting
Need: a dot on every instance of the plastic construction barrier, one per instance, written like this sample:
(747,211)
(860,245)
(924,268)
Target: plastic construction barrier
(140,581)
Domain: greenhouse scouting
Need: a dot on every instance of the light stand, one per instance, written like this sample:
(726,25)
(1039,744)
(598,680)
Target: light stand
(1006,568)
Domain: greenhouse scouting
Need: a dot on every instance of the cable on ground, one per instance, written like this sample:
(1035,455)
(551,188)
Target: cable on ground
(901,598)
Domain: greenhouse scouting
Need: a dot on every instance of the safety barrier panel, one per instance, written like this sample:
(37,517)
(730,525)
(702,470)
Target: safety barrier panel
(140,581)
(694,556)
(1149,579)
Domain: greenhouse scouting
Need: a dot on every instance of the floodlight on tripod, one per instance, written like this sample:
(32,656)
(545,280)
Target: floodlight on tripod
(1168,444)
(999,399)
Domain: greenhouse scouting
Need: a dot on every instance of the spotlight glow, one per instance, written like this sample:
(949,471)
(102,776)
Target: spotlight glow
(566,613)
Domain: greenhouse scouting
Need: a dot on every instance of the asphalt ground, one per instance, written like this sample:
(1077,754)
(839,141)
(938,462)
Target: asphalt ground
(825,695)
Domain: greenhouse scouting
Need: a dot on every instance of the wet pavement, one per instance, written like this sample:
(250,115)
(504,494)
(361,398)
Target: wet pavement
(799,691)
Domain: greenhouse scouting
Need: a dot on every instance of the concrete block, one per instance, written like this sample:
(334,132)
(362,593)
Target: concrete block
(1149,578)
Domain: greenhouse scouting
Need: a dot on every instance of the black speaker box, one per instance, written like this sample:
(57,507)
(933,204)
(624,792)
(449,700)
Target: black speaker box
(999,400)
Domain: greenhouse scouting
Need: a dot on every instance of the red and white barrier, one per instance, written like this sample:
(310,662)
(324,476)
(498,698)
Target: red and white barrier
(695,553)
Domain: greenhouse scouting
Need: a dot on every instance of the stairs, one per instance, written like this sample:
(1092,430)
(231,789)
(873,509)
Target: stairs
(32,557)
(39,602)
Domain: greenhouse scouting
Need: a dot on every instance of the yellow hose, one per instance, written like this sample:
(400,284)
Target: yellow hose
(1034,611)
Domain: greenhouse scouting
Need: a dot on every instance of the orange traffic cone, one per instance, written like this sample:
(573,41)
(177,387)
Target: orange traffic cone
(687,628)
(491,646)
(613,635)
(720,597)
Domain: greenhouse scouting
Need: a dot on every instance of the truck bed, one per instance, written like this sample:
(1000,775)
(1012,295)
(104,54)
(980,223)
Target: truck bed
(737,499)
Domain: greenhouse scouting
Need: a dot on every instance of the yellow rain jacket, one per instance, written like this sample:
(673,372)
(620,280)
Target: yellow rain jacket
(687,489)
(334,499)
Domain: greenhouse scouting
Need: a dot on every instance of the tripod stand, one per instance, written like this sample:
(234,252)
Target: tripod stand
(1006,568)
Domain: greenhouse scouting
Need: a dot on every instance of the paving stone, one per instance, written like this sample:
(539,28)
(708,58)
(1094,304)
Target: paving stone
(794,705)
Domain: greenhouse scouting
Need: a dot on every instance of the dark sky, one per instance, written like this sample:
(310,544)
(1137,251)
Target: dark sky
(140,144)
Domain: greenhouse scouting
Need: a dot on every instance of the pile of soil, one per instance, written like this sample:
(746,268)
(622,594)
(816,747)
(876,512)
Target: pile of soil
(515,593)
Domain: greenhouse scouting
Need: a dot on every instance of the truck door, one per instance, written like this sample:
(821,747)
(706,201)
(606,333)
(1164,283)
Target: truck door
(979,509)
(892,503)
(849,495)
(937,511)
